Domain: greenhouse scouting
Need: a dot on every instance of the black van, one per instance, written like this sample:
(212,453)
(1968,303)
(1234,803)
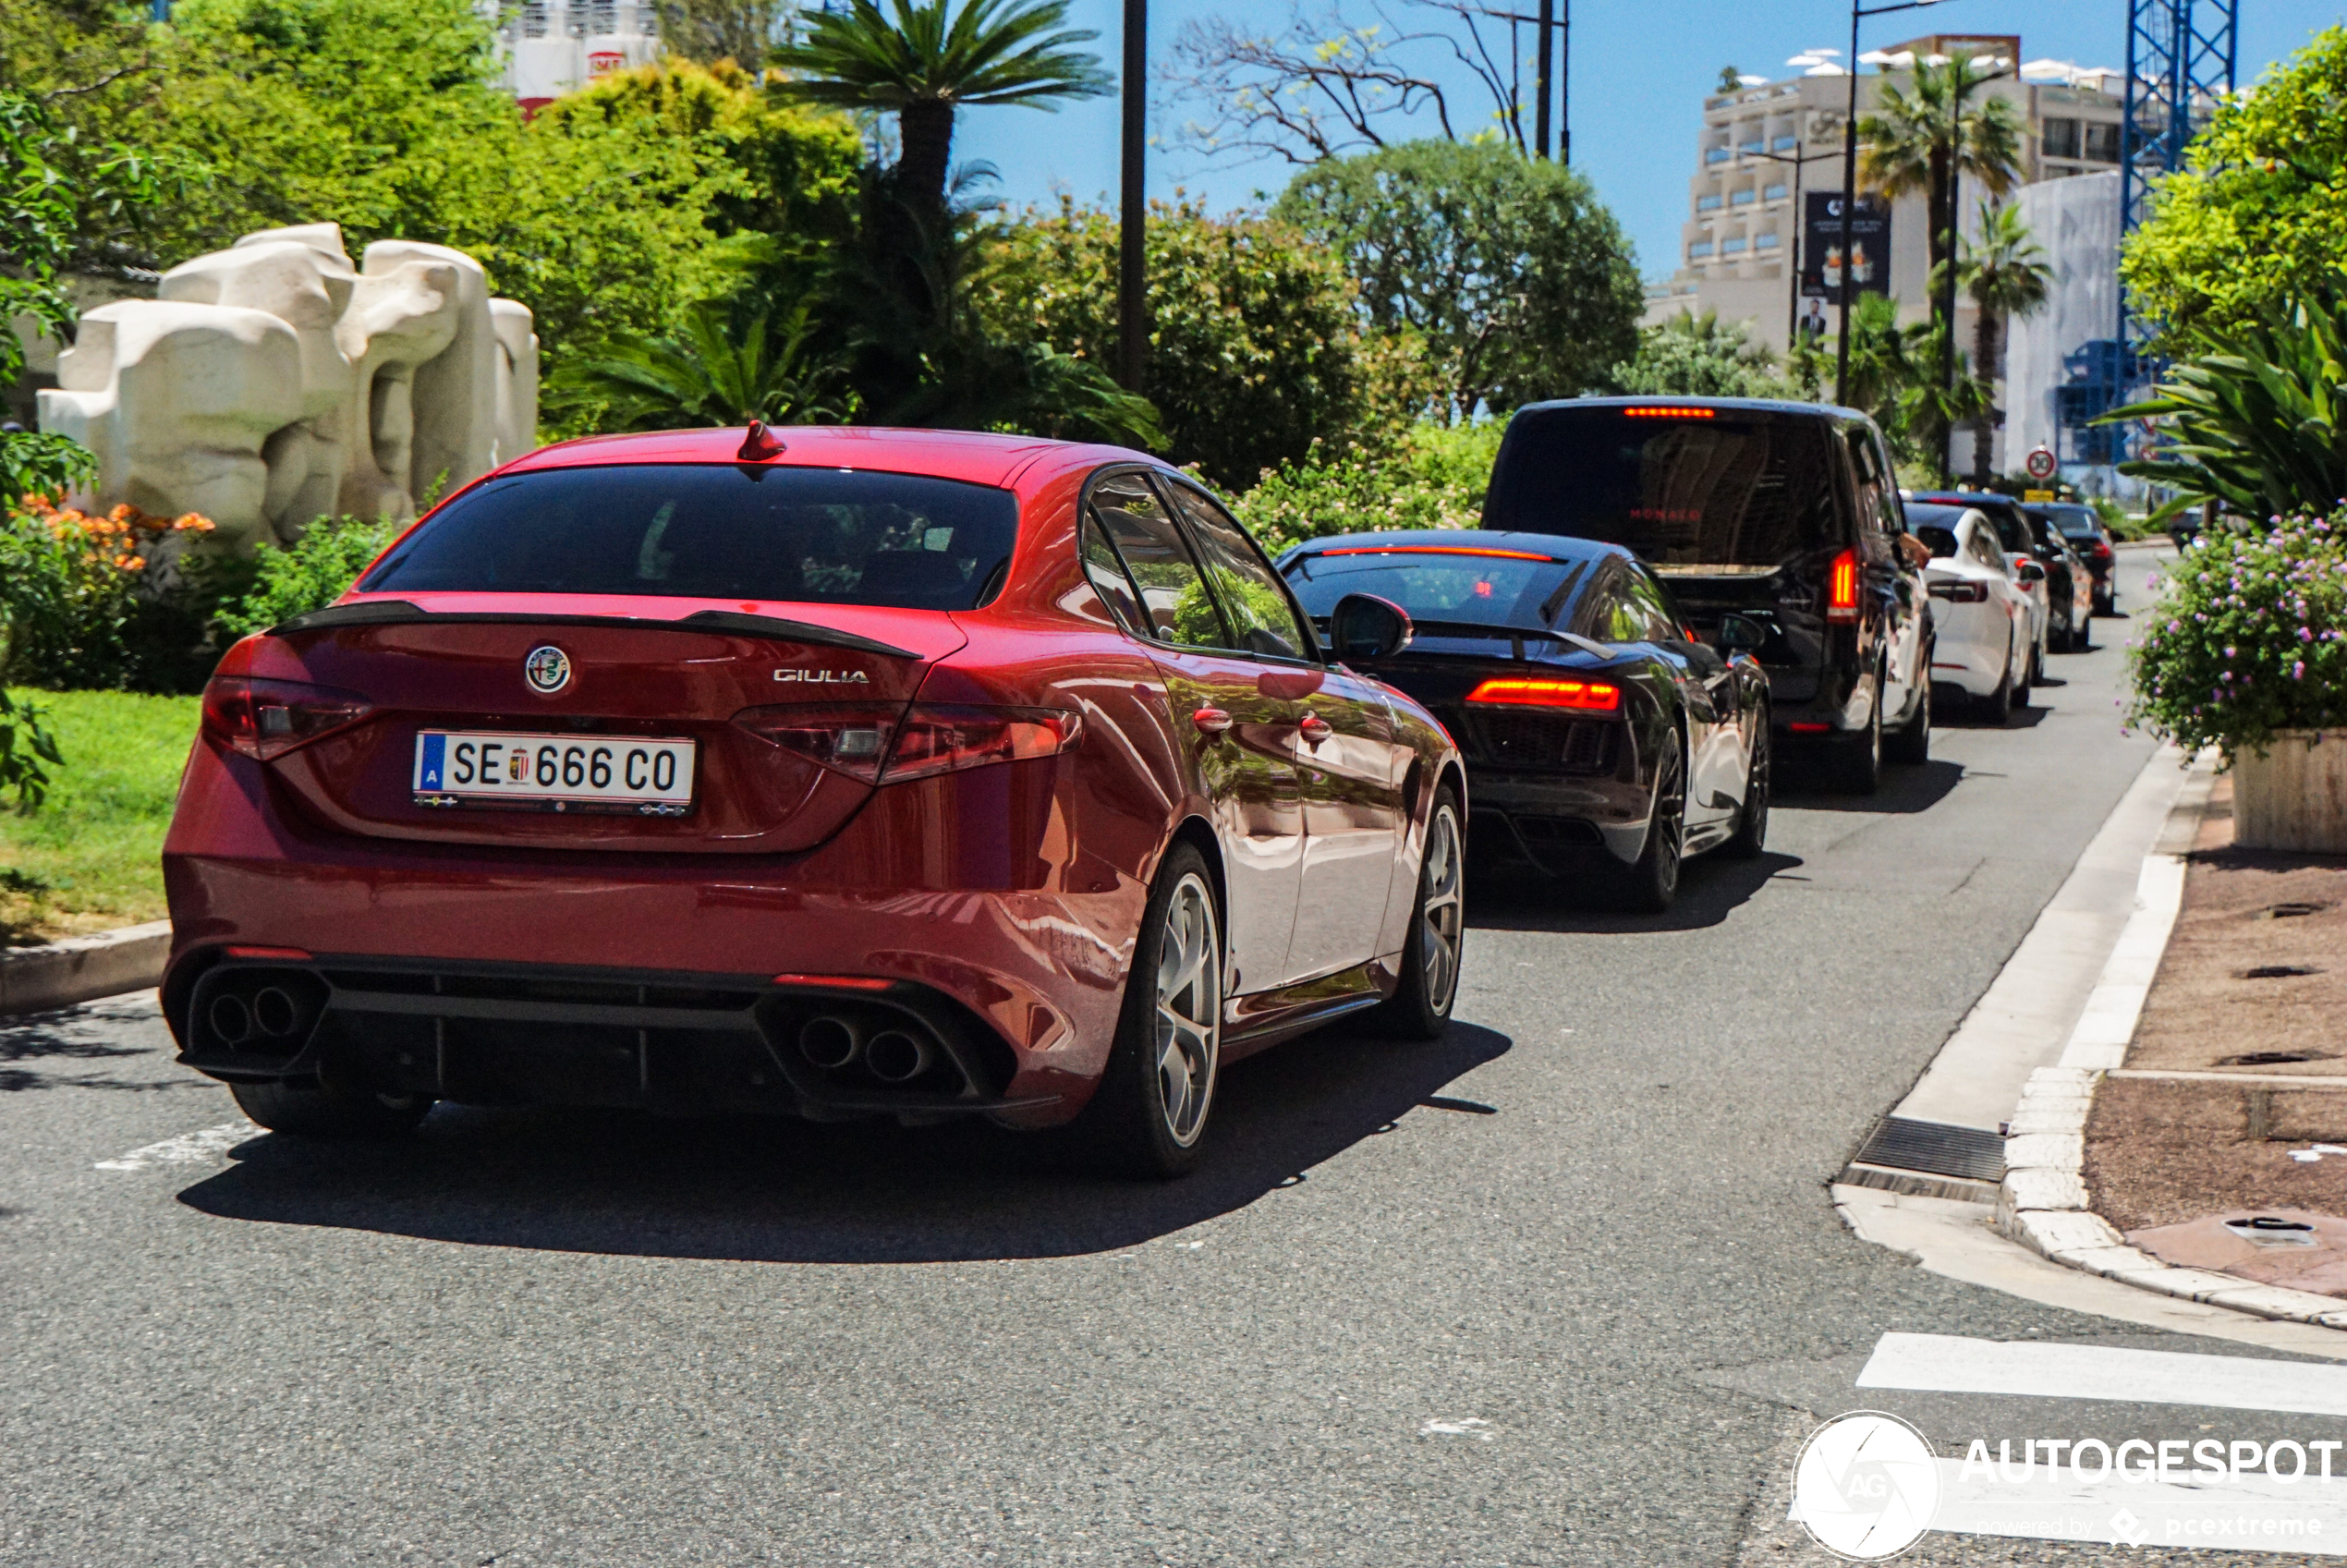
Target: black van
(1785,514)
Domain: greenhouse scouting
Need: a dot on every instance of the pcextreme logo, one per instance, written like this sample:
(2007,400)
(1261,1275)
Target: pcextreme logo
(825,678)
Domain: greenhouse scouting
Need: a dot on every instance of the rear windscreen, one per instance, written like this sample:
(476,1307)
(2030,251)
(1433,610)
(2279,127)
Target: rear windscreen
(1485,590)
(1679,491)
(688,532)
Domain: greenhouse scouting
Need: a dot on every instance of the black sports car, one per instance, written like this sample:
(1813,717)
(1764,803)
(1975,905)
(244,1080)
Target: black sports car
(1602,741)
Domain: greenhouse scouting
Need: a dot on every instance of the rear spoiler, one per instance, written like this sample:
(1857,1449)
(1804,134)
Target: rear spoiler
(1516,636)
(401,612)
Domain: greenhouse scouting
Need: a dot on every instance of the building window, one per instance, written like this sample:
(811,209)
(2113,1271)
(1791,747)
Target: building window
(2102,141)
(1698,251)
(2060,139)
(1706,203)
(1716,155)
(1743,199)
(1730,246)
(603,17)
(1755,145)
(1784,144)
(1774,193)
(648,20)
(534,19)
(1765,242)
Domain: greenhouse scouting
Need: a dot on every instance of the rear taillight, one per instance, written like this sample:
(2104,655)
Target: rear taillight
(268,718)
(888,745)
(1960,593)
(1597,697)
(851,739)
(1841,587)
(2102,551)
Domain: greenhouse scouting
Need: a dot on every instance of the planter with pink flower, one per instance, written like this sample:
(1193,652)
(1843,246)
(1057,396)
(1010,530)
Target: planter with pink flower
(2247,652)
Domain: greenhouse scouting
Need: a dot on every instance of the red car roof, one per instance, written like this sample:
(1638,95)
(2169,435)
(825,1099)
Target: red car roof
(977,456)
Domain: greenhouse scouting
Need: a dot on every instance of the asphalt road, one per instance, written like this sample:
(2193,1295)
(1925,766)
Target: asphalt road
(1560,1289)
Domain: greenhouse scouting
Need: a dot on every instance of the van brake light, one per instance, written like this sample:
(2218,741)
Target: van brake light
(1841,589)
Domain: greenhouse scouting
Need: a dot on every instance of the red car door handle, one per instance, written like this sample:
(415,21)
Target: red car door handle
(1315,728)
(1210,721)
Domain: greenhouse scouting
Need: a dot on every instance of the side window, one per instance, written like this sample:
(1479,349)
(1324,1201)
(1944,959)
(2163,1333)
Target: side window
(1253,599)
(1984,545)
(1644,611)
(1175,602)
(1107,574)
(1878,500)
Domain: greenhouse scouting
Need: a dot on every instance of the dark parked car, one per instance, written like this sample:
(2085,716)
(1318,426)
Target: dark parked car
(1599,736)
(2087,536)
(1784,514)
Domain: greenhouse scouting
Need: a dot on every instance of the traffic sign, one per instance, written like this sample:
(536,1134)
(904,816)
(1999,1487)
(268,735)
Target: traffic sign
(2041,464)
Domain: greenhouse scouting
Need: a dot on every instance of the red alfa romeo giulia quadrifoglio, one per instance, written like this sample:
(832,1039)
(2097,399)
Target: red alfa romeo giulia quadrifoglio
(840,772)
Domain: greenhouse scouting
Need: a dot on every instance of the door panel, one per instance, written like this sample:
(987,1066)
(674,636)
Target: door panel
(1245,768)
(1352,774)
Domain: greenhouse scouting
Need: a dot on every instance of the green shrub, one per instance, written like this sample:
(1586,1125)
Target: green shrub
(1431,477)
(103,603)
(308,574)
(25,745)
(2251,639)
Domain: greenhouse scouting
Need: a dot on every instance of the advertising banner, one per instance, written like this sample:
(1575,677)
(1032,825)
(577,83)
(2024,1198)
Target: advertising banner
(1824,269)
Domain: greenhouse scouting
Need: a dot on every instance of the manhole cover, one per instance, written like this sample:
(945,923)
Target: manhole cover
(2274,1058)
(2288,911)
(2268,1229)
(2277,972)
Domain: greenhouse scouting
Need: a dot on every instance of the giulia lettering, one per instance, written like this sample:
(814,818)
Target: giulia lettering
(830,677)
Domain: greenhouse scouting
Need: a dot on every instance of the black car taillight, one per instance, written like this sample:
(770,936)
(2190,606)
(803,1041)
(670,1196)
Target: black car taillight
(1598,697)
(883,744)
(1841,589)
(265,718)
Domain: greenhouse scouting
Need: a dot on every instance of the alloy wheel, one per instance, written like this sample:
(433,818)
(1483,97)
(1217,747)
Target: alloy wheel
(1188,1033)
(1445,911)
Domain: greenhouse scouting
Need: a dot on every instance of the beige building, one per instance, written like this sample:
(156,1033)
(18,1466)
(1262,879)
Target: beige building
(1767,145)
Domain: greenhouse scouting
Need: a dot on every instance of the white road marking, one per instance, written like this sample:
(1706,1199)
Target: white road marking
(188,1148)
(1952,1364)
(1473,1426)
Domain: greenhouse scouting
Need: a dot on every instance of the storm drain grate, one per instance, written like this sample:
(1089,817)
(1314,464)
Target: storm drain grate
(1936,1146)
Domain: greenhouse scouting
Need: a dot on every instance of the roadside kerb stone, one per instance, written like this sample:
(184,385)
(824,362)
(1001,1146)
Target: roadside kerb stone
(82,968)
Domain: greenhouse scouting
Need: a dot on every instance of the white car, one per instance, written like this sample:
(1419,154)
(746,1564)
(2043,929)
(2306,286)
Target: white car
(1985,623)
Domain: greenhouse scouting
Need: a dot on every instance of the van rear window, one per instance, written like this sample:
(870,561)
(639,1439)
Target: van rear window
(1721,490)
(715,532)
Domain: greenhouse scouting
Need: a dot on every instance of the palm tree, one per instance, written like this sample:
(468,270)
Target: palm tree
(705,377)
(1927,139)
(928,60)
(2008,278)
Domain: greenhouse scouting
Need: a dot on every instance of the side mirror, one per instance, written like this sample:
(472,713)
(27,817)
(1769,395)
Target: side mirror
(2032,572)
(1365,627)
(1739,635)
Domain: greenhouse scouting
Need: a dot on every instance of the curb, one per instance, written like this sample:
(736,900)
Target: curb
(82,968)
(2042,1202)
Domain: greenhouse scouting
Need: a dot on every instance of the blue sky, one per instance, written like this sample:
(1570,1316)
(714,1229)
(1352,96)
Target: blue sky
(1641,69)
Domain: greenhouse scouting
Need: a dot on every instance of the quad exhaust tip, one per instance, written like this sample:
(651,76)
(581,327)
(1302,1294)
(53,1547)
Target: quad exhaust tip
(895,1057)
(830,1041)
(891,1055)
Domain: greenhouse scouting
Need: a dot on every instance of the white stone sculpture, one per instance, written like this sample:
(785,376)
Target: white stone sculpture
(271,384)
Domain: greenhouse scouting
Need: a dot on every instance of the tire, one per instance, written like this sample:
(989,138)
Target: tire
(1751,818)
(2031,674)
(328,1111)
(1420,1005)
(1911,743)
(1649,885)
(1148,1119)
(1997,707)
(1855,767)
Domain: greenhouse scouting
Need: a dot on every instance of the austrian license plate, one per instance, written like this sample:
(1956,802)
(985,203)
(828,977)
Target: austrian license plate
(633,775)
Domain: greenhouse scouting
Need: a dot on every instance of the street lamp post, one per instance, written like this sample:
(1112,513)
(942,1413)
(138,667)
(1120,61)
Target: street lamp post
(1548,88)
(1132,228)
(1850,179)
(1792,303)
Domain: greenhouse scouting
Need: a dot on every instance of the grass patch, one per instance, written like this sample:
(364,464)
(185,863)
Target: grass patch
(90,858)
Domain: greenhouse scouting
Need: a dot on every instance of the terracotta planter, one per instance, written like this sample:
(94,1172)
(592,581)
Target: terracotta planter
(2295,795)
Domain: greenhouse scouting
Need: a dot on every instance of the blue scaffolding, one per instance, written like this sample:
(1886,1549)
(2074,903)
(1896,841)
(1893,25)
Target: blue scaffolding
(2181,55)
